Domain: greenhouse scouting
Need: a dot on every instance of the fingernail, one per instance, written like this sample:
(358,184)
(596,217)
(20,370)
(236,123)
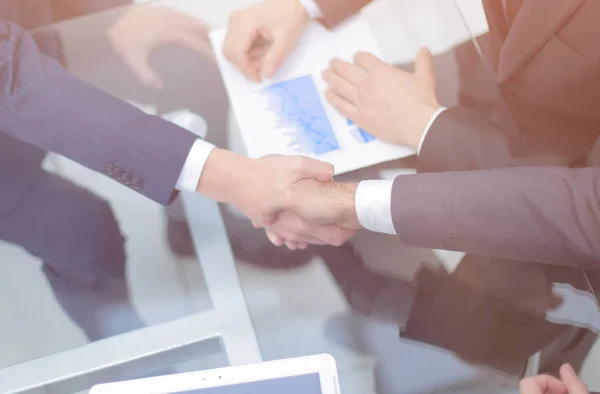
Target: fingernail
(568,369)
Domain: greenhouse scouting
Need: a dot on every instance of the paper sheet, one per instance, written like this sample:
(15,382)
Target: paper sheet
(289,114)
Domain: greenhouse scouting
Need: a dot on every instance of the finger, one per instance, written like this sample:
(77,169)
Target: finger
(424,63)
(257,53)
(310,240)
(197,44)
(276,54)
(238,42)
(343,106)
(275,240)
(302,245)
(256,225)
(341,86)
(332,235)
(542,384)
(141,68)
(350,72)
(291,245)
(367,62)
(293,235)
(574,384)
(256,56)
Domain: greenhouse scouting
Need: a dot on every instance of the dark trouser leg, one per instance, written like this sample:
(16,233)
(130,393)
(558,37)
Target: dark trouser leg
(77,237)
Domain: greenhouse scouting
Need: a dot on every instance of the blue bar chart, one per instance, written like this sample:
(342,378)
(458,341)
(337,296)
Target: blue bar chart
(301,116)
(363,136)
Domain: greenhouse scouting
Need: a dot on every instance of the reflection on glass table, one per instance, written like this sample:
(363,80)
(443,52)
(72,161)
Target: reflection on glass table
(206,283)
(113,264)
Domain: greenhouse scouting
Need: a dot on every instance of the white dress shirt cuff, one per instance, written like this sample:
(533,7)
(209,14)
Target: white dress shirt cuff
(193,166)
(433,118)
(312,8)
(374,205)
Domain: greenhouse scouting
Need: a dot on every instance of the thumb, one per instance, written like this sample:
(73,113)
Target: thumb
(572,381)
(424,63)
(315,169)
(279,49)
(141,68)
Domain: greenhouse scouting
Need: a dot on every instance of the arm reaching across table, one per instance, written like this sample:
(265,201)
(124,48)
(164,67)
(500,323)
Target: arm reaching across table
(44,105)
(541,214)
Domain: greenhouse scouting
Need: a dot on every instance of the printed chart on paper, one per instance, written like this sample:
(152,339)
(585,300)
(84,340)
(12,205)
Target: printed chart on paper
(289,113)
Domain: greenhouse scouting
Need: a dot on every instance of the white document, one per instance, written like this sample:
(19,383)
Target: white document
(289,114)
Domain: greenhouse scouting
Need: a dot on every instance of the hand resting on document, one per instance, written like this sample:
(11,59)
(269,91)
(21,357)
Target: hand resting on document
(394,106)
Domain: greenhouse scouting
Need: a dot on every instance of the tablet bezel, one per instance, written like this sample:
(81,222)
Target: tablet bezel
(323,364)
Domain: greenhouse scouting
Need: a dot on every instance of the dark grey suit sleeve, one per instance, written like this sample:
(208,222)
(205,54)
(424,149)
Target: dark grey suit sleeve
(541,214)
(461,139)
(42,104)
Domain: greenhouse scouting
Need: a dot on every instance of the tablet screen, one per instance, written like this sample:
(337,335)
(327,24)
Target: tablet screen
(301,384)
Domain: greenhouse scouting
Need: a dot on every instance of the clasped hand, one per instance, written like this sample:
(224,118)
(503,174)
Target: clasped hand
(310,211)
(303,206)
(315,204)
(293,197)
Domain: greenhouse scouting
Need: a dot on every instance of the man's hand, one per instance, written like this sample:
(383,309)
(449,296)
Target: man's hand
(260,37)
(393,105)
(569,383)
(142,30)
(245,183)
(316,203)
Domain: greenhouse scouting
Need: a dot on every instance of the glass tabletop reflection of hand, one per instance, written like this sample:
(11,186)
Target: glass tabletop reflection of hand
(569,383)
(142,30)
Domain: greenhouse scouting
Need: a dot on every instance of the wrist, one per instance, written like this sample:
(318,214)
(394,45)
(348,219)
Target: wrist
(346,196)
(303,12)
(414,138)
(224,176)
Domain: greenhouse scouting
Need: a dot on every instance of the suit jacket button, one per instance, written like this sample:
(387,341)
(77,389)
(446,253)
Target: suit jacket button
(109,169)
(137,183)
(117,172)
(126,177)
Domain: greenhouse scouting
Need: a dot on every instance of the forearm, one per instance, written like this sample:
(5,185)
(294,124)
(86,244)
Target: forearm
(223,176)
(44,105)
(461,139)
(542,214)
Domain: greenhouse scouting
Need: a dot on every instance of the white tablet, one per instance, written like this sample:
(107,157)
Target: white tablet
(304,375)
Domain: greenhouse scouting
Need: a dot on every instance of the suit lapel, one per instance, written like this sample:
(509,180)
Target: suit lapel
(536,21)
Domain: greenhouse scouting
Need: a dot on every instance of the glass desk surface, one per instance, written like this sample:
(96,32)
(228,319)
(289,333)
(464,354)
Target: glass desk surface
(195,286)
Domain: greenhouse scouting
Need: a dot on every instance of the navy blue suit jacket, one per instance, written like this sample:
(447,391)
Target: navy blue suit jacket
(41,104)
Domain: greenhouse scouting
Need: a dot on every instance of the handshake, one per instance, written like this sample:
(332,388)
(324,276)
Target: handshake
(293,198)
